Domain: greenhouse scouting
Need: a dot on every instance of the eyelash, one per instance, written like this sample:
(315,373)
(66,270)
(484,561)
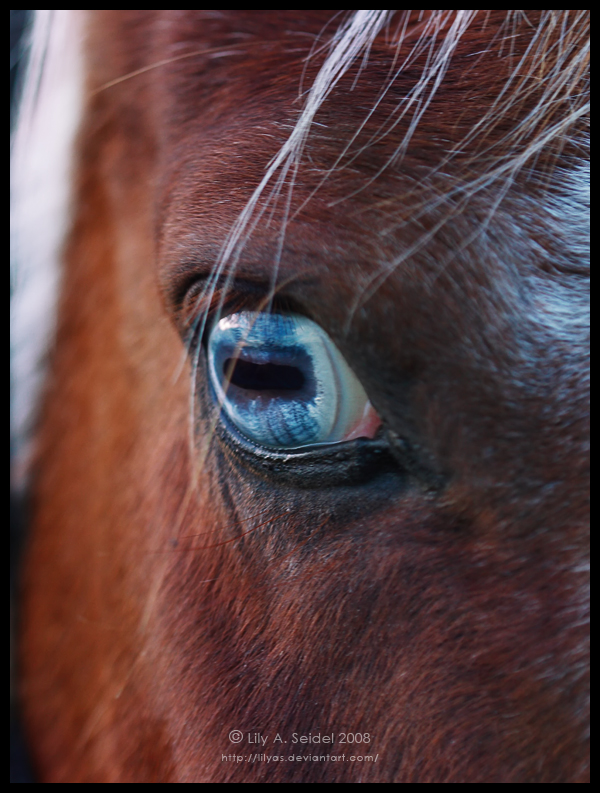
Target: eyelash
(198,313)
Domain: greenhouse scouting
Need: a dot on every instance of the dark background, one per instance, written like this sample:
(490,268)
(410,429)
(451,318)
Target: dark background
(20,766)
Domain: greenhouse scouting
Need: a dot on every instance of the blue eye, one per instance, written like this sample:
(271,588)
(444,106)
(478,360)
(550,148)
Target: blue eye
(283,383)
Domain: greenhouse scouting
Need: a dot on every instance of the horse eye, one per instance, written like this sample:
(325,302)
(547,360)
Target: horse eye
(282,382)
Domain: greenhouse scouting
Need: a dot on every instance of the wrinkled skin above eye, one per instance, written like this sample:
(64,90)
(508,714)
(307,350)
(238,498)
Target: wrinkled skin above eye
(283,383)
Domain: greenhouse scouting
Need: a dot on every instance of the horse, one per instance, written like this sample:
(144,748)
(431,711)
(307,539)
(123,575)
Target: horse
(309,473)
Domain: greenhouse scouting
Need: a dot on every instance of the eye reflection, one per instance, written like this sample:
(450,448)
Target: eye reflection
(283,383)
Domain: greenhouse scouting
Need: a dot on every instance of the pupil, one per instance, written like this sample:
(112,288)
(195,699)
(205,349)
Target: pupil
(264,376)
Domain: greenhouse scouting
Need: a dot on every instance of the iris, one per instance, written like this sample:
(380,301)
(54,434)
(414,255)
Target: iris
(283,383)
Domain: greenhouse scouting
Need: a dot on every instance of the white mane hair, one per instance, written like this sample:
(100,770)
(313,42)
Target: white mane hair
(41,167)
(51,108)
(438,35)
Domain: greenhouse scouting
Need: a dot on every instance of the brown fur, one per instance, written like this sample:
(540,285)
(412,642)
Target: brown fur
(174,592)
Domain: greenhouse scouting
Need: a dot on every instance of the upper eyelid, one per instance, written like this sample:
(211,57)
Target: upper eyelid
(201,301)
(227,297)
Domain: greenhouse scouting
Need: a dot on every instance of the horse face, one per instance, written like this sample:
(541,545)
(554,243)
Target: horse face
(425,587)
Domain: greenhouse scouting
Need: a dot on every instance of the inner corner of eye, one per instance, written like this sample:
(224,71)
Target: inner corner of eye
(366,425)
